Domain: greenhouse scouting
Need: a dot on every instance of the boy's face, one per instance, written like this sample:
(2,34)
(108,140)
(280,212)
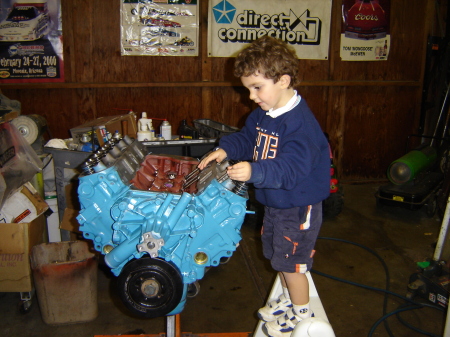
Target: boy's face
(267,94)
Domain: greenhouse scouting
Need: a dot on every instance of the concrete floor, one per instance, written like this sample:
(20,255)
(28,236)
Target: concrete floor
(231,293)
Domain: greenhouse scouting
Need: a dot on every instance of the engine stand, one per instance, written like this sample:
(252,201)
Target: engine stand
(317,326)
(173,329)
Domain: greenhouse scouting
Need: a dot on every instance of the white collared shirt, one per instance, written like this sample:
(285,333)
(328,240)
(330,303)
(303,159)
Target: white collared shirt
(292,103)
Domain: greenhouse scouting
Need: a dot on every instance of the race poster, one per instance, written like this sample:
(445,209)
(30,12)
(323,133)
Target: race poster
(160,28)
(305,25)
(365,33)
(31,48)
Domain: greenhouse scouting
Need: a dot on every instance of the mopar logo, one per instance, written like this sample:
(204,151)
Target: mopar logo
(224,12)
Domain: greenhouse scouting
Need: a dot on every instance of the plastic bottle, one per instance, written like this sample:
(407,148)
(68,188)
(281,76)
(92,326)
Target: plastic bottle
(143,121)
(151,129)
(144,135)
(166,130)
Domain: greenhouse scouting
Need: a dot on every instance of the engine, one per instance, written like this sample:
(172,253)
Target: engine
(159,221)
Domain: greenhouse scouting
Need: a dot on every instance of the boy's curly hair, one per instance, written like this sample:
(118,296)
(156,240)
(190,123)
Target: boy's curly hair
(270,57)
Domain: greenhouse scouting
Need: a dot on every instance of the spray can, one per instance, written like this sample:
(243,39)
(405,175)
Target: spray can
(144,135)
(166,130)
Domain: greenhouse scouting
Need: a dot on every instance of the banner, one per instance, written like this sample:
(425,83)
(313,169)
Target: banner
(159,28)
(305,25)
(31,41)
(365,30)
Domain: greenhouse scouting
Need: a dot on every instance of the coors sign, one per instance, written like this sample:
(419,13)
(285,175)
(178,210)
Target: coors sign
(366,20)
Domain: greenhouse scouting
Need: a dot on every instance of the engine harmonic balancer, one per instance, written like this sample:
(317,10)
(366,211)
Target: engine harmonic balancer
(158,241)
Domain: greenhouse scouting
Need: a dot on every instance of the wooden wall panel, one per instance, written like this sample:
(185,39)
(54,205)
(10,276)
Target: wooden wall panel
(222,70)
(57,106)
(408,41)
(367,108)
(376,128)
(82,16)
(102,33)
(174,104)
(310,70)
(317,98)
(231,105)
(314,70)
(68,42)
(86,105)
(335,123)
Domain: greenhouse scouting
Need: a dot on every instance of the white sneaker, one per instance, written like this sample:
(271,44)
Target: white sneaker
(274,309)
(283,325)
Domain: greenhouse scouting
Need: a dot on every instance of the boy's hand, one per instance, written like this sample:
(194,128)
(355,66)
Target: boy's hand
(241,171)
(217,155)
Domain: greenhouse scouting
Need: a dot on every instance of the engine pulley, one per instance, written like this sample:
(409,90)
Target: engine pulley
(150,287)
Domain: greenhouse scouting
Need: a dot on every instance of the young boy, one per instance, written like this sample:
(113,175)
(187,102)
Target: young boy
(290,170)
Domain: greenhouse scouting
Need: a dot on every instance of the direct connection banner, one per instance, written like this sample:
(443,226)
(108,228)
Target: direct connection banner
(305,25)
(31,41)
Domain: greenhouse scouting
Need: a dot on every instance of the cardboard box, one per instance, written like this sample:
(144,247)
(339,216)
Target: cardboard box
(69,221)
(22,225)
(16,241)
(23,205)
(9,109)
(125,124)
(8,116)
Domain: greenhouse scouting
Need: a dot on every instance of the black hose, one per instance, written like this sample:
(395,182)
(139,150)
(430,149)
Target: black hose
(413,305)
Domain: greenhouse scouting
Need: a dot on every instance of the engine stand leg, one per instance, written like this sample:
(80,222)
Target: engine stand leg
(173,326)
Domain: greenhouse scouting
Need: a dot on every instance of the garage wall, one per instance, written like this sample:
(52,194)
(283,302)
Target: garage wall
(367,108)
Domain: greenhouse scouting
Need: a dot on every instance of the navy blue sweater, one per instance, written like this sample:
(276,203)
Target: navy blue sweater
(291,157)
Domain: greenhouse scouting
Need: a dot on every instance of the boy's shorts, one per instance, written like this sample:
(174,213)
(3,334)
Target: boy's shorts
(289,236)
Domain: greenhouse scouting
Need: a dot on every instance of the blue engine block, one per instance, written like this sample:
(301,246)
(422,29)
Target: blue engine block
(157,243)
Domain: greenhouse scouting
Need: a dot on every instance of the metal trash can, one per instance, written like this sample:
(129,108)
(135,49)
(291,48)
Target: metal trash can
(65,278)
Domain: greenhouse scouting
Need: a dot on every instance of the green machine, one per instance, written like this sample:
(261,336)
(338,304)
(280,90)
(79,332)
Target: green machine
(406,168)
(414,181)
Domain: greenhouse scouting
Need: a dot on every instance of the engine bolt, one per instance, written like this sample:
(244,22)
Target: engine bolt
(150,288)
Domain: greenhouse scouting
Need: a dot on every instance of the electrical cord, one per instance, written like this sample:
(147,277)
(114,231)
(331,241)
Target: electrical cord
(383,319)
(410,326)
(412,306)
(386,270)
